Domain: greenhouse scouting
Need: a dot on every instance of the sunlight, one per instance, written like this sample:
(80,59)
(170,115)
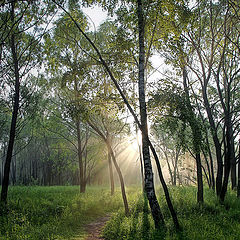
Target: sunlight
(136,141)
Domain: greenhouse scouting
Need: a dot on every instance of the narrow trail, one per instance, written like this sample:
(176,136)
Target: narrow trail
(94,229)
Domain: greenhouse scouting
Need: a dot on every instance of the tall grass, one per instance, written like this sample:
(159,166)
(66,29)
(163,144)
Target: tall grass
(40,213)
(211,221)
(53,212)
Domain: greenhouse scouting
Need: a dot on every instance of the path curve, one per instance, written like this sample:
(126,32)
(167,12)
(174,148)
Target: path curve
(94,229)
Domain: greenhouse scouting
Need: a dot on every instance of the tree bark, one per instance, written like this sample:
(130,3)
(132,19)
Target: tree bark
(211,165)
(233,166)
(124,196)
(197,137)
(5,182)
(227,157)
(149,183)
(80,158)
(209,175)
(140,159)
(110,172)
(238,186)
(199,178)
(164,185)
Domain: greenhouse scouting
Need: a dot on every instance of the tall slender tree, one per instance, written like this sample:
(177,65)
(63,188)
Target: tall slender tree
(149,183)
(12,134)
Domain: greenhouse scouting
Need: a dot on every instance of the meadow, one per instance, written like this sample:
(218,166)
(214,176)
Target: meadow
(62,212)
(54,212)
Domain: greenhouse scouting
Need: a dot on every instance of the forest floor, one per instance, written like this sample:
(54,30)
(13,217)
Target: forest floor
(60,212)
(94,229)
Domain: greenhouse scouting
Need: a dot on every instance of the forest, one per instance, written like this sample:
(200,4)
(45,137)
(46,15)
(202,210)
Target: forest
(128,128)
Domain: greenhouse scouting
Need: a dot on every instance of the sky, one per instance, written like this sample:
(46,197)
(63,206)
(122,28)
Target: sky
(96,16)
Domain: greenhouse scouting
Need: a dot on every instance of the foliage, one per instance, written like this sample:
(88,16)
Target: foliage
(174,117)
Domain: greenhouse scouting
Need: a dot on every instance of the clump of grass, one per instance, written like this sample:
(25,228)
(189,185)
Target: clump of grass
(53,212)
(211,220)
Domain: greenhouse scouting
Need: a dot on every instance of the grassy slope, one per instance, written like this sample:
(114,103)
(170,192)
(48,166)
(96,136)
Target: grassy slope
(53,212)
(210,221)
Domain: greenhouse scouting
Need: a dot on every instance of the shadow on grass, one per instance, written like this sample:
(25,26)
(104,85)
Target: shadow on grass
(141,225)
(146,223)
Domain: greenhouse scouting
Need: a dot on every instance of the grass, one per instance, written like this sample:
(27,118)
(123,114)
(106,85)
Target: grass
(211,221)
(54,212)
(62,212)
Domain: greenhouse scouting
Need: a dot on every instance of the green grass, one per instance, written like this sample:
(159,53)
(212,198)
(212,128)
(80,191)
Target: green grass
(211,221)
(40,213)
(54,212)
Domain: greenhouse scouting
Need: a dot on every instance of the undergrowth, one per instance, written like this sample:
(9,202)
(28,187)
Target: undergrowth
(40,213)
(210,221)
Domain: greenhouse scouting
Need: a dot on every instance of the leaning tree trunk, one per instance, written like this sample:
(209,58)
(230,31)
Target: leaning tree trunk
(211,164)
(107,140)
(149,183)
(14,115)
(124,196)
(165,188)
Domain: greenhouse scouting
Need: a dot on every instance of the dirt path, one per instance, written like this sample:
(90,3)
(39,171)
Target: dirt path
(94,229)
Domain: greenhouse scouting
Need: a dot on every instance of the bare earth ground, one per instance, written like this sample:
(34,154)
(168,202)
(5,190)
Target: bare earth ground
(94,229)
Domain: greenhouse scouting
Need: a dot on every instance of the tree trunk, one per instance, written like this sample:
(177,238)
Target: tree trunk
(216,143)
(110,172)
(124,196)
(107,140)
(141,167)
(164,185)
(149,184)
(211,164)
(197,137)
(140,159)
(175,166)
(228,149)
(5,182)
(209,175)
(80,158)
(238,186)
(199,179)
(233,166)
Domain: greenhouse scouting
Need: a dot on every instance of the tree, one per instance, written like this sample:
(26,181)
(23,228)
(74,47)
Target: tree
(218,78)
(149,185)
(19,54)
(156,217)
(107,128)
(201,44)
(169,147)
(70,65)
